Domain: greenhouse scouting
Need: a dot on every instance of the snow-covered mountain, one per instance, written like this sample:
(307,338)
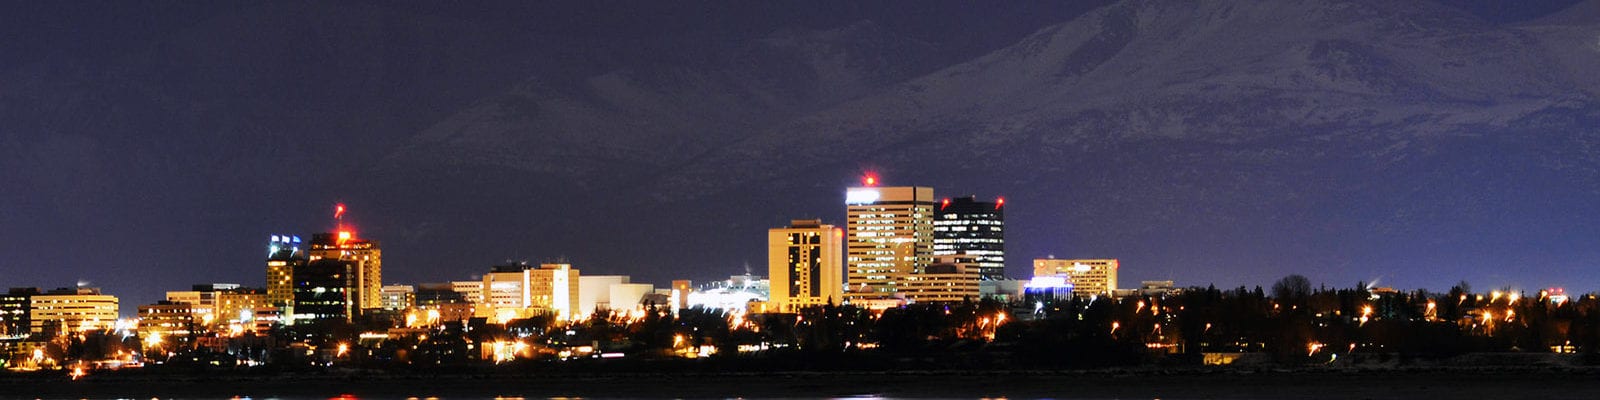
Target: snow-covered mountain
(1212,132)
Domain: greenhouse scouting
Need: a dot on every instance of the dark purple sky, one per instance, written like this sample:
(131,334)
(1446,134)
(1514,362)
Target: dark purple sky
(148,146)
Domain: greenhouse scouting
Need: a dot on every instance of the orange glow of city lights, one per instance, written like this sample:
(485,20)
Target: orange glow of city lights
(345,236)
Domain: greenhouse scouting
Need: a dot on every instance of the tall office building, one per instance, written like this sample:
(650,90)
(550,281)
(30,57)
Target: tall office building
(283,255)
(365,258)
(14,311)
(1097,277)
(974,233)
(325,290)
(890,237)
(803,262)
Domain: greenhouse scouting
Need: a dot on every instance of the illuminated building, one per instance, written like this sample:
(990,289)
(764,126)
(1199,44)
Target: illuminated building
(946,281)
(324,291)
(265,318)
(283,255)
(398,297)
(508,286)
(890,236)
(1097,277)
(168,320)
(200,302)
(366,262)
(555,286)
(521,291)
(71,310)
(609,292)
(681,289)
(626,296)
(221,304)
(804,263)
(974,232)
(471,291)
(1004,290)
(735,293)
(14,311)
(240,306)
(1049,287)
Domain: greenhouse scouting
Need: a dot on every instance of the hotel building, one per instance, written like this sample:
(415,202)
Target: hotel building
(803,262)
(889,237)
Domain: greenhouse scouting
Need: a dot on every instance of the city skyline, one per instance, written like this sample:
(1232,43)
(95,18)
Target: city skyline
(286,247)
(1415,144)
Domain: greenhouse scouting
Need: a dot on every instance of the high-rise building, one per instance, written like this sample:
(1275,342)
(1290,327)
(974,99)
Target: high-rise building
(325,290)
(974,232)
(1088,277)
(283,255)
(890,236)
(365,258)
(803,261)
(14,311)
(71,310)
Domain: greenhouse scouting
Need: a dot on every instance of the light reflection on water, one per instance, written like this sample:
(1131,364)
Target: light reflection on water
(354,397)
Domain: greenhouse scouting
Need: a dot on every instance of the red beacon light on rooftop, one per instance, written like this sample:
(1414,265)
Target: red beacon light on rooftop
(869,180)
(998,202)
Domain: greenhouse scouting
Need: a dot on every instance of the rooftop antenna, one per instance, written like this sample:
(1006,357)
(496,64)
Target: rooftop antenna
(338,223)
(338,216)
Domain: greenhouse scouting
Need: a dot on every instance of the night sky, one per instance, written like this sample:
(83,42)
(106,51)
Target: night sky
(149,146)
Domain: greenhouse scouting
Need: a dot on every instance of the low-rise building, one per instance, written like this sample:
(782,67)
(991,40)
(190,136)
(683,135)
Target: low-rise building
(71,311)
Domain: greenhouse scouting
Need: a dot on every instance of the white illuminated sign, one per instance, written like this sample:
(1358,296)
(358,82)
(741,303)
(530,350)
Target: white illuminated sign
(861,196)
(1048,282)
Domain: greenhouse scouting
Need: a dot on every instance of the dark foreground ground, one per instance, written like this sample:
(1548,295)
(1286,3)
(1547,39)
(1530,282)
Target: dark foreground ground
(1461,382)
